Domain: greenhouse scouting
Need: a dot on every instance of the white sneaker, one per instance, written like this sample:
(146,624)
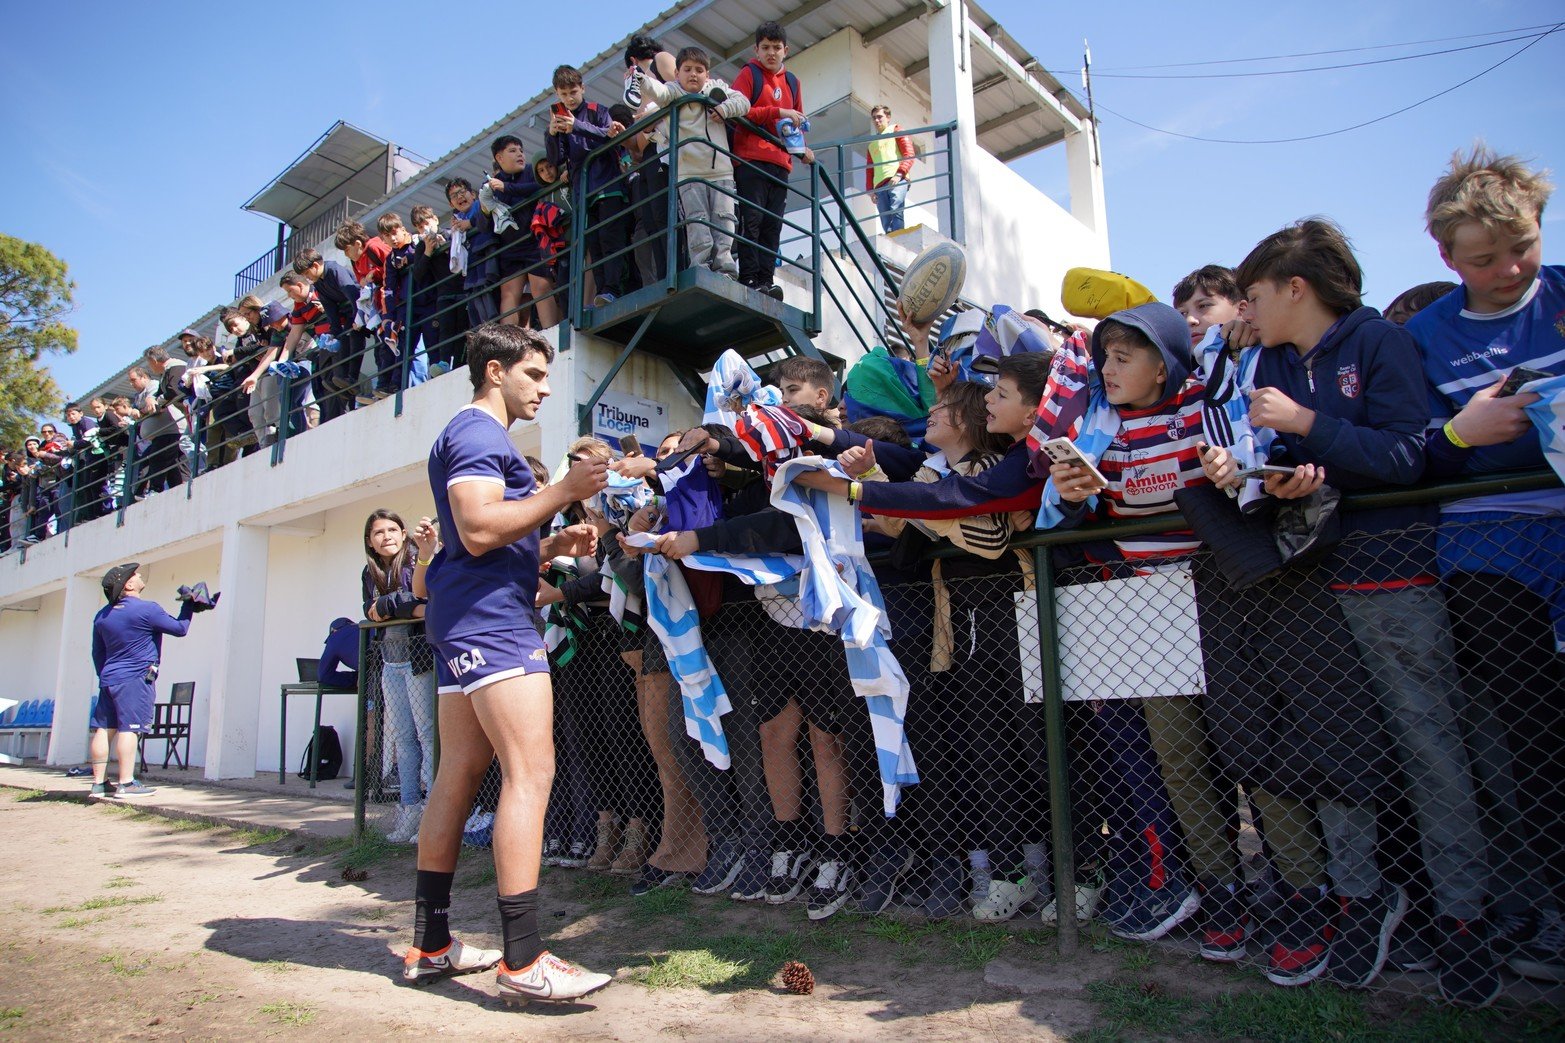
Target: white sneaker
(1086,905)
(421,968)
(406,827)
(550,979)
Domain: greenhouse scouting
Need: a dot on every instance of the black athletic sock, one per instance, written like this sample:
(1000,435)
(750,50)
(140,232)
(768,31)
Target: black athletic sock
(789,835)
(431,903)
(519,929)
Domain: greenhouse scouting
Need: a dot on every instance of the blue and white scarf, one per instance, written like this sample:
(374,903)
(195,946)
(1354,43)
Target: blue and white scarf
(671,612)
(621,498)
(1226,416)
(846,601)
(838,592)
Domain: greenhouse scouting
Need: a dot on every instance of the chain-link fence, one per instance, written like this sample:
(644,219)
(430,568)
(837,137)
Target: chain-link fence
(1346,769)
(397,741)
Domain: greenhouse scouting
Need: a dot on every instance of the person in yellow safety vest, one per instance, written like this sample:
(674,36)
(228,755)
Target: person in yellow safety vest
(890,163)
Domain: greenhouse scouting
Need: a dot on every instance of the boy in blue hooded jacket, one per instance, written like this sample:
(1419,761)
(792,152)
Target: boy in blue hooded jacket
(1148,407)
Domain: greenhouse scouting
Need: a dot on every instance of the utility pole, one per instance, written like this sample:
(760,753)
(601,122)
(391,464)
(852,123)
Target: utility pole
(1092,115)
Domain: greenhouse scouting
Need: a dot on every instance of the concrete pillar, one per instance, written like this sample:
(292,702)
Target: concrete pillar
(951,98)
(1086,184)
(568,386)
(76,681)
(233,718)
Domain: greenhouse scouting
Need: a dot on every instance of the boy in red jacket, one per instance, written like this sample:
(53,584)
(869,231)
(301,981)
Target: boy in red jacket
(761,176)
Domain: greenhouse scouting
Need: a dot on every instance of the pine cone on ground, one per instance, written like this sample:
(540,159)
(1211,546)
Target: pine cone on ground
(796,978)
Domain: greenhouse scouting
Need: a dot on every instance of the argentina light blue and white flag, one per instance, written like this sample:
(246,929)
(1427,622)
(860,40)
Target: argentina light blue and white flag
(672,614)
(1548,416)
(1226,416)
(838,591)
(732,386)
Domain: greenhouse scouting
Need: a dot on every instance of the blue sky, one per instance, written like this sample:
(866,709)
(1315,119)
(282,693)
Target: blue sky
(132,139)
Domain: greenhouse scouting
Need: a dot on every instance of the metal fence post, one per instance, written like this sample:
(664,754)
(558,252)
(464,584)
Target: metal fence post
(1054,732)
(405,342)
(672,269)
(280,443)
(128,484)
(197,435)
(815,247)
(954,173)
(362,713)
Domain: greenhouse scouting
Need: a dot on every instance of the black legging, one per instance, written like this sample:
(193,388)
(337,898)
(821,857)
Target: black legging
(621,775)
(1507,660)
(983,783)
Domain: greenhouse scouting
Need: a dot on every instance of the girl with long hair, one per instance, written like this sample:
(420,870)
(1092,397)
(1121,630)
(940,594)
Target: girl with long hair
(407,678)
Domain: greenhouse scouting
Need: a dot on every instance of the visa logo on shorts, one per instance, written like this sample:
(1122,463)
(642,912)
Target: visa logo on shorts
(466,662)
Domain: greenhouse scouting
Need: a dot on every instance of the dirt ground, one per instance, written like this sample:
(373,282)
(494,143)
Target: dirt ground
(126,926)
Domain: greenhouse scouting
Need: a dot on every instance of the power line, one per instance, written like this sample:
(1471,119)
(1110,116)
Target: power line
(1343,130)
(1317,54)
(1316,68)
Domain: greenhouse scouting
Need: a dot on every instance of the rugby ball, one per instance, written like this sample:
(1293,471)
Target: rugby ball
(932,282)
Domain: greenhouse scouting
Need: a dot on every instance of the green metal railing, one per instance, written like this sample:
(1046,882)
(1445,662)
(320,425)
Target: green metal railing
(817,210)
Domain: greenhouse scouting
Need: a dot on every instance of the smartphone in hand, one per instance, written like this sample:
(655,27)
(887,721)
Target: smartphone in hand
(1519,376)
(1064,451)
(630,445)
(1264,470)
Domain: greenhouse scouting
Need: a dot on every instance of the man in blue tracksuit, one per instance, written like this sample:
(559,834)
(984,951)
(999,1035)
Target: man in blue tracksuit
(127,643)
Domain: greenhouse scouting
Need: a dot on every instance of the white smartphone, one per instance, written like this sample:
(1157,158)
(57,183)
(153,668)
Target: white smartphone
(1064,451)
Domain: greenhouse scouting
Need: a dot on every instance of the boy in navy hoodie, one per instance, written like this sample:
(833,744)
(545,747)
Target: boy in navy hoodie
(576,127)
(1343,391)
(396,331)
(514,185)
(1502,558)
(468,217)
(338,291)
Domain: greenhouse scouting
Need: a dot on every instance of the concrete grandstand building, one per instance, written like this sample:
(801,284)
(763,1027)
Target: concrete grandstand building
(280,534)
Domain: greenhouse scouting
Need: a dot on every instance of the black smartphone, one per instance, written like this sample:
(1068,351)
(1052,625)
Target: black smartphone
(630,445)
(1519,376)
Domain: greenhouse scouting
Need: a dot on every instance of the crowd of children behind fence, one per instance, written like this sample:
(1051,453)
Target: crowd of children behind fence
(1398,755)
(346,336)
(1382,709)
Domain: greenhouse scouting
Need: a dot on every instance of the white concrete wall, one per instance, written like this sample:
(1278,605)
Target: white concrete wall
(30,647)
(1028,240)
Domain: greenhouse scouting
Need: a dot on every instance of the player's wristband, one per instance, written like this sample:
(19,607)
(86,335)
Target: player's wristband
(1451,435)
(855,491)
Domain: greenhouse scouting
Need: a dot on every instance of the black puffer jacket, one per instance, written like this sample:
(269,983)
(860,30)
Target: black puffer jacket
(1289,707)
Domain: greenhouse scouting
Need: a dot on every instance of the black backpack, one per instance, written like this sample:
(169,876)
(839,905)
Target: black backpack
(756,72)
(330,756)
